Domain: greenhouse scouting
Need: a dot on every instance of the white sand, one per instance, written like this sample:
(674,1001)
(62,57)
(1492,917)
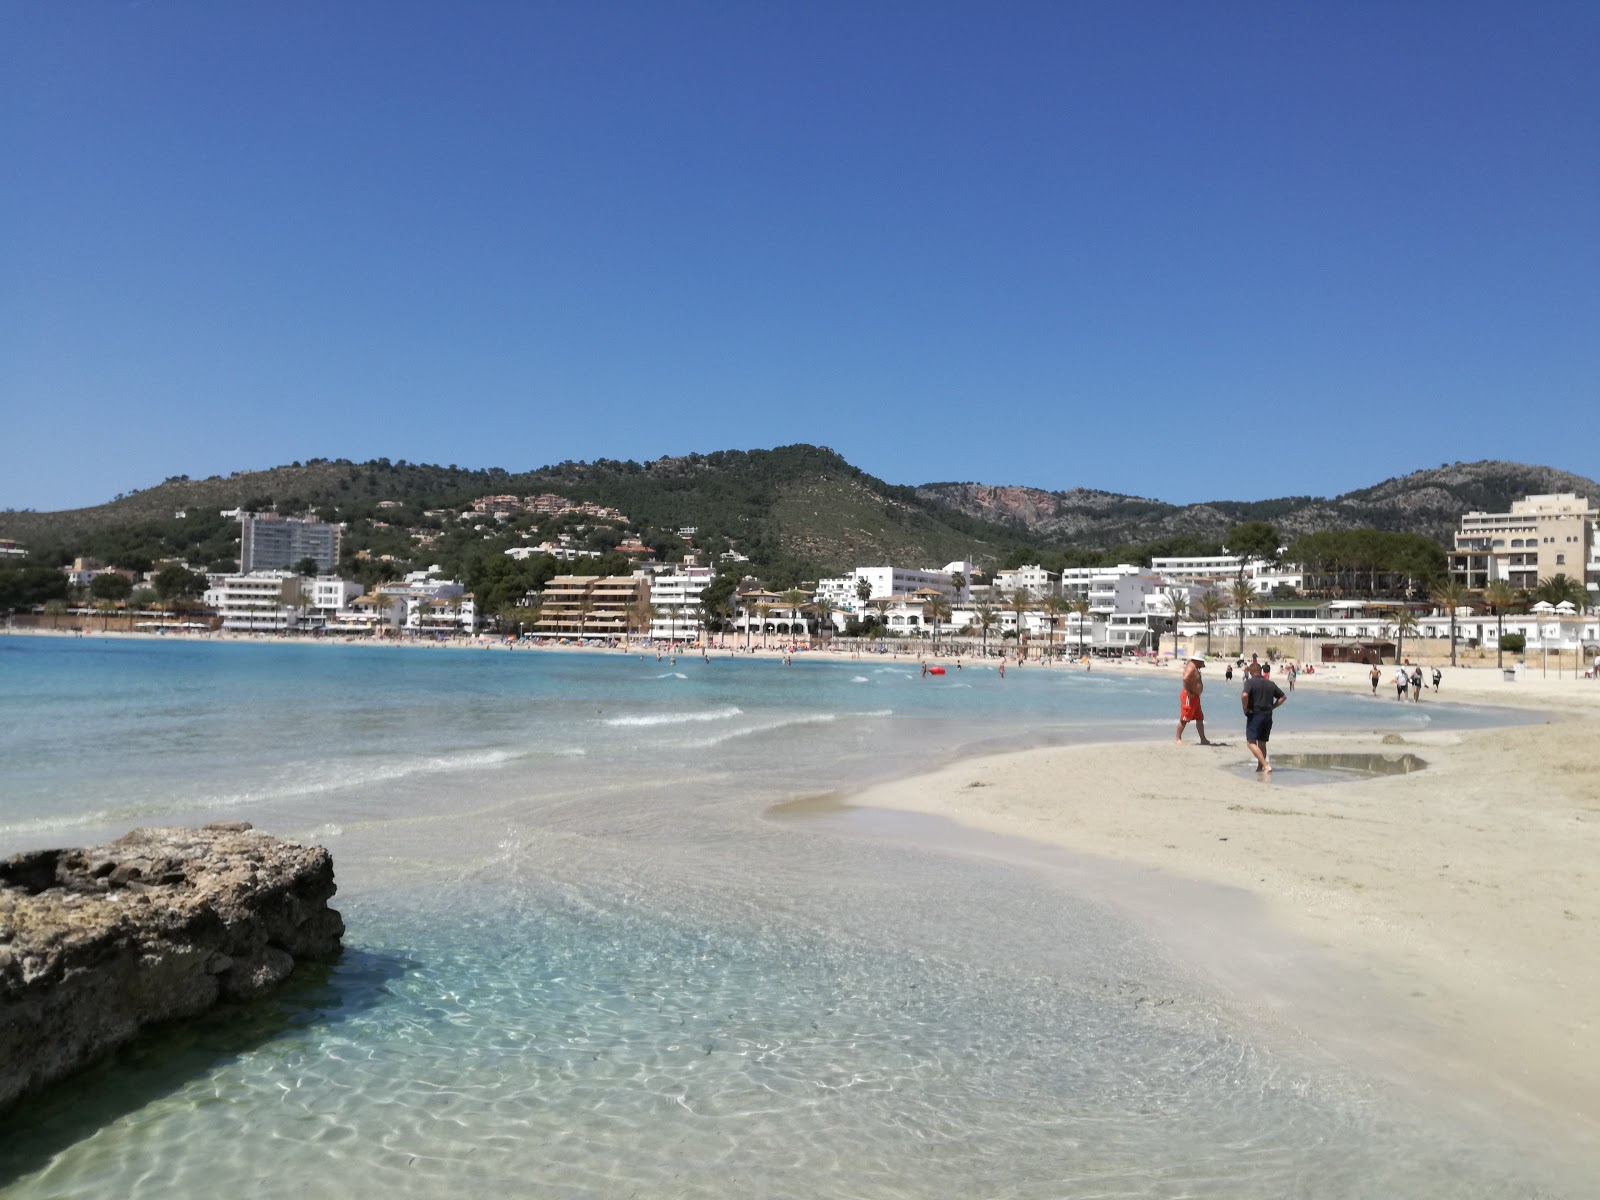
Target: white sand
(1463,899)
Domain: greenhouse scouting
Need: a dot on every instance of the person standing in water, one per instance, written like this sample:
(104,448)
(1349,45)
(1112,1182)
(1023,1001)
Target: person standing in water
(1260,698)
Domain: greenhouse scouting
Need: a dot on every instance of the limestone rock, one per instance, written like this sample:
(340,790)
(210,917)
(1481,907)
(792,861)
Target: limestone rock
(159,924)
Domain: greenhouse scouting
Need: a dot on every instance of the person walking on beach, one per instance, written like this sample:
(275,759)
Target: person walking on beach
(1189,699)
(1376,677)
(1416,684)
(1402,681)
(1437,676)
(1259,699)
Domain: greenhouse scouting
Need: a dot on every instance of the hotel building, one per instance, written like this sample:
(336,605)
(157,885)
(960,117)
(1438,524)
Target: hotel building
(1540,537)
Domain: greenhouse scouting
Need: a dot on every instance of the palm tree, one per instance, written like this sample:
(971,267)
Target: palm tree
(1451,596)
(638,615)
(987,616)
(1241,597)
(863,591)
(1177,610)
(1210,606)
(585,607)
(1020,603)
(1404,622)
(1056,608)
(881,607)
(795,599)
(1500,596)
(824,608)
(939,609)
(1559,588)
(763,611)
(957,581)
(1079,607)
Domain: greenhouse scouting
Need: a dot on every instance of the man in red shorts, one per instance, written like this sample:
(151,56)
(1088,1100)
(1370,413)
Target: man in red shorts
(1189,698)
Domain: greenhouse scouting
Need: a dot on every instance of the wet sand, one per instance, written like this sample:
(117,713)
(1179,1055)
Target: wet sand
(1460,897)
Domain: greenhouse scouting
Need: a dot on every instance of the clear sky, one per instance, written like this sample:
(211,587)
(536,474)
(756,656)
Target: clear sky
(1191,251)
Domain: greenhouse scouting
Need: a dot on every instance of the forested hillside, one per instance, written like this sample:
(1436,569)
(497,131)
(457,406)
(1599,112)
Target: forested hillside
(799,512)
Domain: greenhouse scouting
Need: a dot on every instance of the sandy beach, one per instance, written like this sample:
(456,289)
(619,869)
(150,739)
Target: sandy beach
(1460,898)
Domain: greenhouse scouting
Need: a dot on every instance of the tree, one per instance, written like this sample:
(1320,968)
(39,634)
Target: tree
(175,583)
(1021,602)
(1560,588)
(639,615)
(1242,598)
(25,586)
(958,581)
(110,586)
(1253,539)
(1210,605)
(763,611)
(1055,607)
(1404,622)
(307,567)
(1177,610)
(987,616)
(863,590)
(1500,596)
(939,609)
(1450,596)
(824,608)
(881,607)
(1079,607)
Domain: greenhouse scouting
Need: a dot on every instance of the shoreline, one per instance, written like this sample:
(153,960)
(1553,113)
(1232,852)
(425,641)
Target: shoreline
(1457,901)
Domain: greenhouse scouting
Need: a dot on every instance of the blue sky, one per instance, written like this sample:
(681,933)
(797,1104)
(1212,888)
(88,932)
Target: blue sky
(1191,251)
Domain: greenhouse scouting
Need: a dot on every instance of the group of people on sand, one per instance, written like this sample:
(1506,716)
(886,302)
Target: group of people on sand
(1407,679)
(1260,698)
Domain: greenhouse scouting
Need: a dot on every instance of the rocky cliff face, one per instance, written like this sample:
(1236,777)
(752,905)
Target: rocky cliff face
(1429,502)
(160,924)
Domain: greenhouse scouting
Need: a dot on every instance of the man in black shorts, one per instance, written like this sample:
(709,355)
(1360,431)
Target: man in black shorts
(1259,698)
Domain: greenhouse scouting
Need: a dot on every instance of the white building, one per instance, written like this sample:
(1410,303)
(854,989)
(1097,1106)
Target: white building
(894,582)
(430,605)
(1078,581)
(1198,567)
(266,601)
(1034,580)
(259,602)
(675,603)
(1120,591)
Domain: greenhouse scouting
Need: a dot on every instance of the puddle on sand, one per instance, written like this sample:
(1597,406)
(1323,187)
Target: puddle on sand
(1332,768)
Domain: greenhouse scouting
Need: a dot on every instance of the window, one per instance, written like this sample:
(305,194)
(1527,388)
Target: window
(1561,559)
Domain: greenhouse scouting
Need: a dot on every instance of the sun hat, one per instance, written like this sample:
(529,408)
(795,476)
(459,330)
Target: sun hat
(1199,658)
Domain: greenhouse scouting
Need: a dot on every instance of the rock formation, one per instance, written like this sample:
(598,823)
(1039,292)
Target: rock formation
(163,923)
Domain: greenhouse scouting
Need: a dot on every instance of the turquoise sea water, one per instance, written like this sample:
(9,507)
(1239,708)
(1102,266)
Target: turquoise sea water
(583,961)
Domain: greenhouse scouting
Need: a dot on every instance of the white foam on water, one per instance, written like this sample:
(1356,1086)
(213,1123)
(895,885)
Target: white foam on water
(859,679)
(351,774)
(679,718)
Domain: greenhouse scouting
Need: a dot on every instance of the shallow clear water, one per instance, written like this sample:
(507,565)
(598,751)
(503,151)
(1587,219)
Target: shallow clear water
(583,963)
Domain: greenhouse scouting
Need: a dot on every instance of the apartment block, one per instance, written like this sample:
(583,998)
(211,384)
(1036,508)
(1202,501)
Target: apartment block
(268,542)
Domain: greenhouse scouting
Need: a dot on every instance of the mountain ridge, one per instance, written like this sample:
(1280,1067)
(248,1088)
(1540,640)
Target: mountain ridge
(797,511)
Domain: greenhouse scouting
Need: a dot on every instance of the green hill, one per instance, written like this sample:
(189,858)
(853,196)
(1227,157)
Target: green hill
(798,512)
